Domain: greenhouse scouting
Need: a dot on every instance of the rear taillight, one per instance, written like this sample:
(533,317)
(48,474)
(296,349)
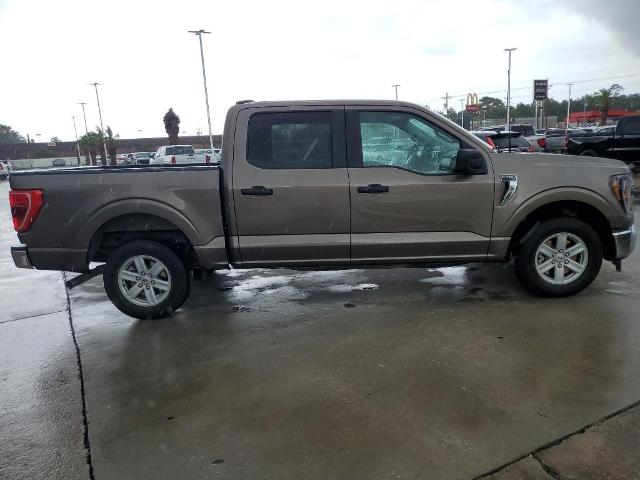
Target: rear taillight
(490,142)
(25,207)
(207,158)
(173,160)
(542,142)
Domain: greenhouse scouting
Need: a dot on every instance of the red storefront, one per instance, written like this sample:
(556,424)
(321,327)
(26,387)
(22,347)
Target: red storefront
(593,116)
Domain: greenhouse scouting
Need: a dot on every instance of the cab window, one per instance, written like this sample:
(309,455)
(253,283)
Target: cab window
(402,140)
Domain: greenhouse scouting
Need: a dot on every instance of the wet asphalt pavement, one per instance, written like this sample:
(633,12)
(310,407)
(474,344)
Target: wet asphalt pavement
(365,374)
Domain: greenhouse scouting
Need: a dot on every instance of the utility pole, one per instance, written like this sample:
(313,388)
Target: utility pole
(75,131)
(569,104)
(84,114)
(104,142)
(446,102)
(509,50)
(396,88)
(584,111)
(204,78)
(462,112)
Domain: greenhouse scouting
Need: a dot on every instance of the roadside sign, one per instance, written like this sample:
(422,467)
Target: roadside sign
(540,89)
(472,103)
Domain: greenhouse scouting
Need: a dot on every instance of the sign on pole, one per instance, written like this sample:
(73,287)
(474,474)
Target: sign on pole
(540,89)
(472,103)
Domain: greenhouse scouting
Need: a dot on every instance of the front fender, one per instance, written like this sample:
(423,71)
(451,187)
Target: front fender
(506,219)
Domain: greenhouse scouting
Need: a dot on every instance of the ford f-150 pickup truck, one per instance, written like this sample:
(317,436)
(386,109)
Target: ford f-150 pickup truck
(621,142)
(326,184)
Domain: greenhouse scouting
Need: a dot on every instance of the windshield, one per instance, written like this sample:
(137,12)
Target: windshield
(142,155)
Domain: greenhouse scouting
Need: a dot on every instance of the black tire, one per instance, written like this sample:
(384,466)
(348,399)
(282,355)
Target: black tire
(526,260)
(589,153)
(177,273)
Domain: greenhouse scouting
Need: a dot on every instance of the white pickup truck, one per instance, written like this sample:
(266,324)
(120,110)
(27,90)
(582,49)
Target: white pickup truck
(177,154)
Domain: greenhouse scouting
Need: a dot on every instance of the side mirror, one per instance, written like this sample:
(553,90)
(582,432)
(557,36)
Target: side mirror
(470,162)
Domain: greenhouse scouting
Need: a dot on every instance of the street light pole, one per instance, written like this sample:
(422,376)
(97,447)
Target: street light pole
(462,113)
(509,50)
(84,114)
(204,79)
(75,131)
(569,103)
(396,89)
(104,142)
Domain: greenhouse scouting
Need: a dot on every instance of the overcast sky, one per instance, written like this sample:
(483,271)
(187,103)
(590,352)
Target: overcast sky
(277,50)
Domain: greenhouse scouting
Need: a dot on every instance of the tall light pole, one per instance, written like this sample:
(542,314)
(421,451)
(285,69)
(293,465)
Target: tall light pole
(75,131)
(84,114)
(569,103)
(104,142)
(396,89)
(462,112)
(509,50)
(204,79)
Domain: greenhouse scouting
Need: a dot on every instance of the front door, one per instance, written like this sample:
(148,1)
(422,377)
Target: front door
(290,187)
(407,205)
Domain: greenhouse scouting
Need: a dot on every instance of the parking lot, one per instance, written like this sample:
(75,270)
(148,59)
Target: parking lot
(384,373)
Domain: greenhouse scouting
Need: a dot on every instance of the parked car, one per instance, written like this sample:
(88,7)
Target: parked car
(59,162)
(621,142)
(210,155)
(177,154)
(298,188)
(526,130)
(141,158)
(505,141)
(121,159)
(555,139)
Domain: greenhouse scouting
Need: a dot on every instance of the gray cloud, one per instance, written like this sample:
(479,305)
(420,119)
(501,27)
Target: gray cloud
(620,17)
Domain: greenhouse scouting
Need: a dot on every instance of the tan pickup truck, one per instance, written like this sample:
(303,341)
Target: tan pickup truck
(326,184)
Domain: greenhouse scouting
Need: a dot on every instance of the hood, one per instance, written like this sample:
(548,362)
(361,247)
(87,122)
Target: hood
(569,166)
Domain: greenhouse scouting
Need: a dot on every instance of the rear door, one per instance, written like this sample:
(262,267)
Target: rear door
(407,205)
(291,187)
(627,140)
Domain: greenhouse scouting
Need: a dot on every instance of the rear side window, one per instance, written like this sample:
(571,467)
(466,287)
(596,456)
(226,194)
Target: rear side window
(630,126)
(180,150)
(503,142)
(290,140)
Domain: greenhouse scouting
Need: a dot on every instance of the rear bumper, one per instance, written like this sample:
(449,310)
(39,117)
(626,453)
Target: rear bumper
(624,241)
(21,257)
(63,259)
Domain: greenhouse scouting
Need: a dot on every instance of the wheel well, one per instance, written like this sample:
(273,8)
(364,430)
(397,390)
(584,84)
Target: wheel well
(125,228)
(583,211)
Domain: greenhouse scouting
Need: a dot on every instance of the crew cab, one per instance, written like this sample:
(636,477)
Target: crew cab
(621,142)
(317,184)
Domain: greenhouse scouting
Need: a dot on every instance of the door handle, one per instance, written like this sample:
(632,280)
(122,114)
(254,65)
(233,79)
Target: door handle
(373,188)
(257,190)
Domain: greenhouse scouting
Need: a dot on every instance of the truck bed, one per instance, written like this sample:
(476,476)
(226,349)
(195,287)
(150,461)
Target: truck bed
(83,206)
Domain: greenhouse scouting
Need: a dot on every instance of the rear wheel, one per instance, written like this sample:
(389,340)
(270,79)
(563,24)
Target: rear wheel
(561,257)
(146,280)
(588,153)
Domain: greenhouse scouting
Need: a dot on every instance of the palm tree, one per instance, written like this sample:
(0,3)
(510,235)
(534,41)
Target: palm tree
(604,99)
(172,126)
(91,143)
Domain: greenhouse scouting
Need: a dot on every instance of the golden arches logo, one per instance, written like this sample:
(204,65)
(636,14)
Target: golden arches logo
(472,99)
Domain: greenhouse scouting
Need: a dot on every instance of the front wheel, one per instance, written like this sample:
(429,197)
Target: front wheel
(588,153)
(561,257)
(146,280)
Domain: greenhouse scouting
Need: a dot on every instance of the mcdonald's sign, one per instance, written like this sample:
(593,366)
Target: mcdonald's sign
(472,103)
